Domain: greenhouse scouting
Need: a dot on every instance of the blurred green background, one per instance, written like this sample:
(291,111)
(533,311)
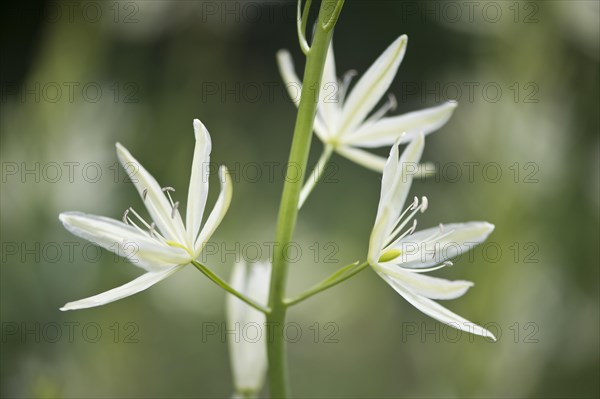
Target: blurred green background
(78,77)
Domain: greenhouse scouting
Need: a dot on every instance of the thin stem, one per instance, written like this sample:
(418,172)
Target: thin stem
(225,285)
(316,174)
(341,275)
(302,20)
(288,210)
(334,16)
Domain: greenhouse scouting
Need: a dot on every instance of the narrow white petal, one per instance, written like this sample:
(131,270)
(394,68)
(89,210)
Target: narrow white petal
(390,173)
(293,85)
(372,85)
(405,127)
(395,185)
(248,352)
(292,82)
(133,287)
(409,166)
(156,202)
(437,311)
(433,246)
(124,240)
(382,220)
(363,158)
(379,234)
(427,286)
(329,107)
(218,212)
(198,189)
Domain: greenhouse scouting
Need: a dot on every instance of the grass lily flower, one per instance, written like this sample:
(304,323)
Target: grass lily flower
(165,245)
(248,351)
(400,255)
(343,123)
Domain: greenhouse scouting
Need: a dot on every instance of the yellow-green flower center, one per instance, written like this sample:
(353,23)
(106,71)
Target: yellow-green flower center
(390,255)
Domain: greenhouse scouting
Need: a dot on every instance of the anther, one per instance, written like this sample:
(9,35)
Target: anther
(389,105)
(413,227)
(144,194)
(415,204)
(175,206)
(392,101)
(345,84)
(168,190)
(424,204)
(125,216)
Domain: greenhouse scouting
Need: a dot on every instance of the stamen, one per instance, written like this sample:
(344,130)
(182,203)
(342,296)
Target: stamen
(151,227)
(139,217)
(401,222)
(411,230)
(424,204)
(136,226)
(430,269)
(125,216)
(168,190)
(345,84)
(406,233)
(390,105)
(414,204)
(175,206)
(144,194)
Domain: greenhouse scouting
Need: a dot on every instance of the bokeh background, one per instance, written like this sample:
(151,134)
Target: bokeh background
(78,77)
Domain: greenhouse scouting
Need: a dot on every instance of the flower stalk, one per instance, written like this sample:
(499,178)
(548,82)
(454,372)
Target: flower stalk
(288,211)
(336,278)
(212,276)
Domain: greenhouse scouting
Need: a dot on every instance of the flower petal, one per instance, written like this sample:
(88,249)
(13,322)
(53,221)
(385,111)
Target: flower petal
(124,240)
(248,355)
(409,166)
(427,286)
(198,189)
(386,131)
(395,185)
(372,85)
(435,245)
(329,106)
(218,212)
(363,158)
(133,287)
(437,311)
(293,84)
(151,192)
(382,220)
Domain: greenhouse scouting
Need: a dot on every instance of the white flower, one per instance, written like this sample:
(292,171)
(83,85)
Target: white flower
(248,350)
(400,256)
(166,245)
(341,120)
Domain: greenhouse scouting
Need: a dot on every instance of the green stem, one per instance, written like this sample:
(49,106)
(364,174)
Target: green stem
(225,285)
(341,275)
(316,174)
(288,210)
